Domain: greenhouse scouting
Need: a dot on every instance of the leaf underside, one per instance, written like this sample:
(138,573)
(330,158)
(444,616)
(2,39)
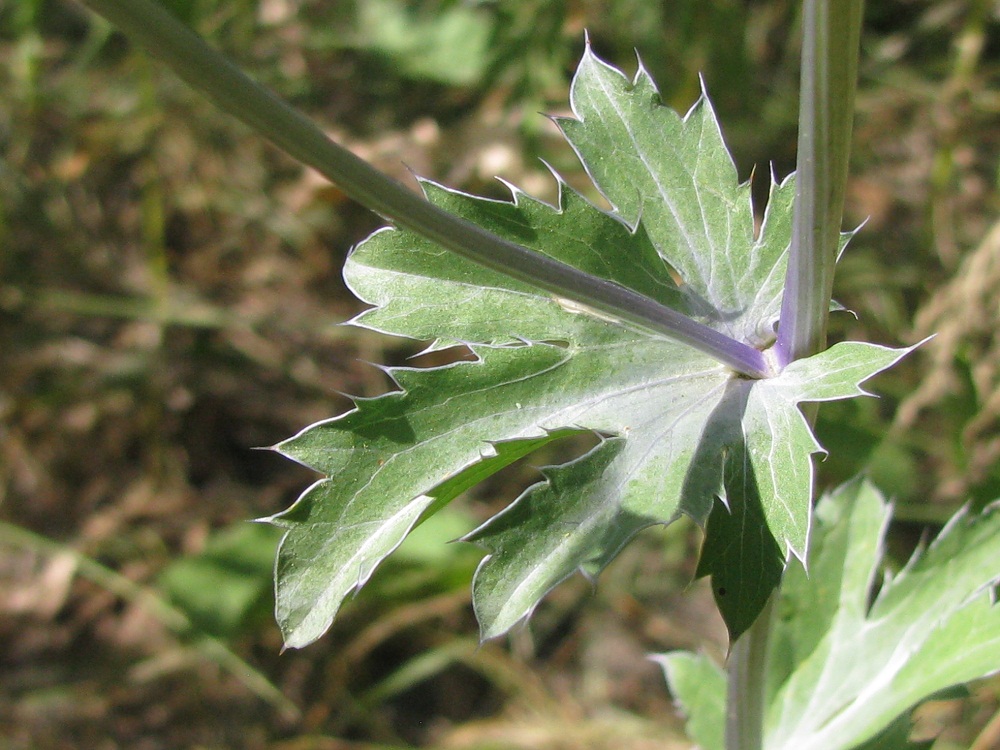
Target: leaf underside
(677,429)
(844,665)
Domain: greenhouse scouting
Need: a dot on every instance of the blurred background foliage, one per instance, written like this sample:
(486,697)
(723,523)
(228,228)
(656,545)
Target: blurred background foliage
(169,294)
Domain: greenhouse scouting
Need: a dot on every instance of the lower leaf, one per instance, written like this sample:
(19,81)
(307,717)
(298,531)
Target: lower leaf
(845,669)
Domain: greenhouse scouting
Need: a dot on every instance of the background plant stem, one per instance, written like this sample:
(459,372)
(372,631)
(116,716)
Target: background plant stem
(831,32)
(168,615)
(232,91)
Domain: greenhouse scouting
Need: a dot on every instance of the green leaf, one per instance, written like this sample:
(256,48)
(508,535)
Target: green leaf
(848,668)
(678,430)
(427,46)
(220,587)
(699,688)
(677,176)
(844,668)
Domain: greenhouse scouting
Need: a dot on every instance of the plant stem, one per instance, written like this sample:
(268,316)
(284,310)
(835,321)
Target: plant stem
(210,73)
(745,694)
(831,30)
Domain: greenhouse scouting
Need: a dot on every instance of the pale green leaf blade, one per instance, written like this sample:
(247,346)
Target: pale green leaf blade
(779,440)
(571,522)
(416,287)
(769,475)
(388,462)
(399,456)
(844,556)
(585,511)
(932,627)
(678,429)
(676,176)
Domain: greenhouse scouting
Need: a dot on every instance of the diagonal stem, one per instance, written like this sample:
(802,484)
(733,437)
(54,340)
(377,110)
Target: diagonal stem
(232,91)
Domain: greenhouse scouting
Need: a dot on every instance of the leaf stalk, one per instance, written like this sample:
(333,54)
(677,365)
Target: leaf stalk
(206,70)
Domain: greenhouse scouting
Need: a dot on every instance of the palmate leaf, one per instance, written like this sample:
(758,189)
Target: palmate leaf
(932,626)
(843,667)
(677,429)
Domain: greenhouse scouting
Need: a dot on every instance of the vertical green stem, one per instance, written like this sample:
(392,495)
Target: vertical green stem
(831,31)
(746,701)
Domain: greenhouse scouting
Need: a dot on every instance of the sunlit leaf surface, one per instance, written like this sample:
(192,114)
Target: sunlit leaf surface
(844,664)
(678,430)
